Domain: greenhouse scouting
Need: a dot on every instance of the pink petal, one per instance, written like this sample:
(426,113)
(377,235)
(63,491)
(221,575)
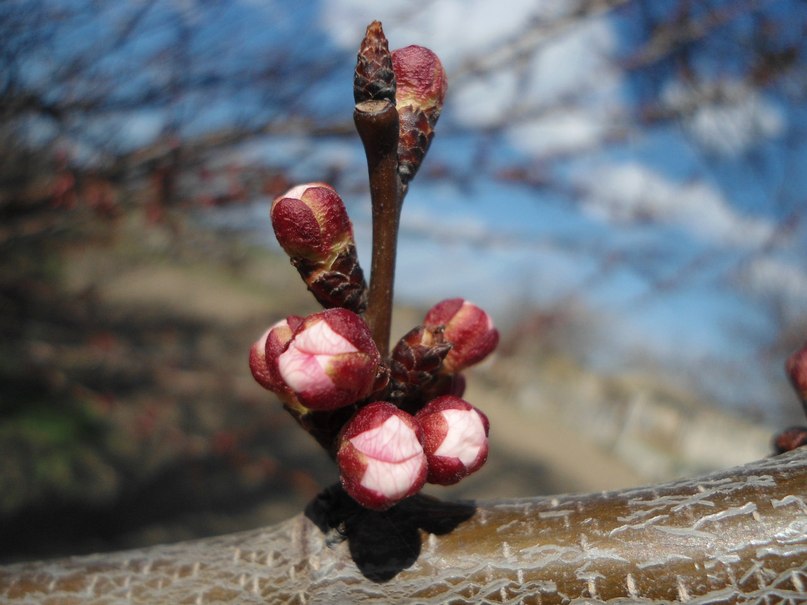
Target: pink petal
(465,437)
(392,441)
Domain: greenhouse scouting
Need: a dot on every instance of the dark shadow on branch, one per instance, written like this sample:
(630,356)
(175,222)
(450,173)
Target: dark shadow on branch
(382,544)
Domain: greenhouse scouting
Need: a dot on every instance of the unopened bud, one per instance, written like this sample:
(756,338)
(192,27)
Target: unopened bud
(331,360)
(790,439)
(374,78)
(313,227)
(421,88)
(264,353)
(467,327)
(455,439)
(796,368)
(415,365)
(381,459)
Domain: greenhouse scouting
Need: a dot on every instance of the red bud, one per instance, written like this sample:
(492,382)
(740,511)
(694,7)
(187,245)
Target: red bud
(455,439)
(796,368)
(421,88)
(264,352)
(310,221)
(380,456)
(467,327)
(331,360)
(312,226)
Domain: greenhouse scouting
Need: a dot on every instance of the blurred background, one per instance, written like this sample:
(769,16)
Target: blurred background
(622,184)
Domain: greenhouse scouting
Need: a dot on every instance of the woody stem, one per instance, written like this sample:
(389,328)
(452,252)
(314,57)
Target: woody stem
(377,125)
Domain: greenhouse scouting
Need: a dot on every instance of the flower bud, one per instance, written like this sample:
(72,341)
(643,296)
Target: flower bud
(796,368)
(421,86)
(455,439)
(374,78)
(790,439)
(380,457)
(421,80)
(467,327)
(415,365)
(265,351)
(331,360)
(312,226)
(310,220)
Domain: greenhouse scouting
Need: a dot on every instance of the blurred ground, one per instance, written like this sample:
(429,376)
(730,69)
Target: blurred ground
(129,415)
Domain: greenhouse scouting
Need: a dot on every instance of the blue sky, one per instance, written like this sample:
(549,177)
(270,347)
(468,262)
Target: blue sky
(674,233)
(668,232)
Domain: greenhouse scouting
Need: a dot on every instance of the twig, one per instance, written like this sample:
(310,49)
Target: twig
(377,125)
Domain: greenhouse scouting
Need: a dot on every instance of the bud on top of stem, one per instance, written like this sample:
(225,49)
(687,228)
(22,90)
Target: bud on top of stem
(374,78)
(311,222)
(331,360)
(467,327)
(381,459)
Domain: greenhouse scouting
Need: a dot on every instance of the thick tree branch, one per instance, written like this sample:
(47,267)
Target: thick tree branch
(734,536)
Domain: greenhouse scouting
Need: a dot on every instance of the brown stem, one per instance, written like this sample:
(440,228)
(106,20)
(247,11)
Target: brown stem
(377,125)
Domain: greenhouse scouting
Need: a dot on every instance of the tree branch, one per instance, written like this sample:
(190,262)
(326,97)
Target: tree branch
(731,536)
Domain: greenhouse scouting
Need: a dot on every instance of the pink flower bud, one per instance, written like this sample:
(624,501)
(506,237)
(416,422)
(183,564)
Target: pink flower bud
(455,438)
(312,226)
(311,222)
(380,456)
(796,368)
(264,352)
(421,86)
(420,79)
(331,360)
(467,327)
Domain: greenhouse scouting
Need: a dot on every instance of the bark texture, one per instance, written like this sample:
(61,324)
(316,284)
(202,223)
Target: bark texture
(737,536)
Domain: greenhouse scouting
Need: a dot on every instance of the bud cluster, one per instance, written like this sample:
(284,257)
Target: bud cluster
(392,422)
(406,423)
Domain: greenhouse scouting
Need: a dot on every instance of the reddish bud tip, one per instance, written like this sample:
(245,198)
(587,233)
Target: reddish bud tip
(264,353)
(421,89)
(790,439)
(331,360)
(467,327)
(312,226)
(374,78)
(381,459)
(796,368)
(455,439)
(421,79)
(310,221)
(257,361)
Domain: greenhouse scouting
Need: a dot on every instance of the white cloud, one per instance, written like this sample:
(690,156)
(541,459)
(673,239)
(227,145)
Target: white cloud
(779,279)
(451,28)
(559,132)
(575,61)
(727,117)
(631,192)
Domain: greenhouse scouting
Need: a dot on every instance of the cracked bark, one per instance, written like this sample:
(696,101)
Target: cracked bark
(739,535)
